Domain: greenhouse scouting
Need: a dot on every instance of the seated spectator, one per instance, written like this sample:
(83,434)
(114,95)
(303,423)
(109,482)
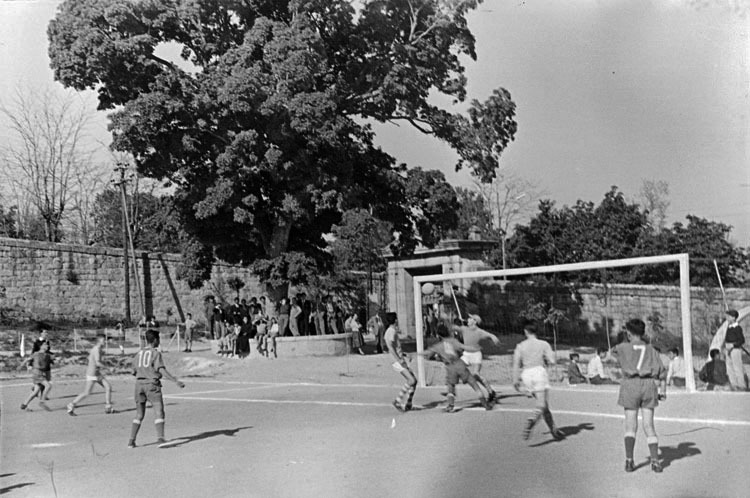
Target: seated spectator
(228,343)
(243,338)
(714,373)
(676,370)
(596,369)
(574,370)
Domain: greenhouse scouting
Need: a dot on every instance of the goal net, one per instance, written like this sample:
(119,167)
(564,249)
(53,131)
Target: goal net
(577,307)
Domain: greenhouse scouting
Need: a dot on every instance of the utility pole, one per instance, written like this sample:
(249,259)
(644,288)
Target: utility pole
(123,198)
(120,168)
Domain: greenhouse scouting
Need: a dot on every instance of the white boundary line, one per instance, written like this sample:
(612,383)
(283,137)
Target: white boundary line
(684,420)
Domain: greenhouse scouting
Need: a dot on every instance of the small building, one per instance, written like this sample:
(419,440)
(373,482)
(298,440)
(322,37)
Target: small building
(449,256)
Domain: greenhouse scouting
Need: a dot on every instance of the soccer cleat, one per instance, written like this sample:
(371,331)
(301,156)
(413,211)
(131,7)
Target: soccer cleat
(398,406)
(71,409)
(131,443)
(161,442)
(558,435)
(408,407)
(23,406)
(449,409)
(492,398)
(656,466)
(487,404)
(629,465)
(108,409)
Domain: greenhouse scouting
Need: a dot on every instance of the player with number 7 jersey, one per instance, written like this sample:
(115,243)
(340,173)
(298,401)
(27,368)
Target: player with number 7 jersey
(641,369)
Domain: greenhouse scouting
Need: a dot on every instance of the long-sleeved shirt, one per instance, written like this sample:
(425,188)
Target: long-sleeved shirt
(532,353)
(596,367)
(676,368)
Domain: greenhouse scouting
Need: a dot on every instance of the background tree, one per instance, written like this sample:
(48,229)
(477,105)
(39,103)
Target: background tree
(267,138)
(472,212)
(8,217)
(654,199)
(45,156)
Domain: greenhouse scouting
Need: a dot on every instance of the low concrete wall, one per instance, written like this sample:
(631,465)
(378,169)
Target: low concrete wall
(309,345)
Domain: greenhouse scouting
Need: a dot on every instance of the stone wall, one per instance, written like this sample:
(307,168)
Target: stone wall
(47,281)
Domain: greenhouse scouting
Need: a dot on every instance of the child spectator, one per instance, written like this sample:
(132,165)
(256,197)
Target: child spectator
(574,370)
(714,373)
(41,369)
(596,369)
(148,368)
(261,335)
(273,333)
(189,326)
(676,369)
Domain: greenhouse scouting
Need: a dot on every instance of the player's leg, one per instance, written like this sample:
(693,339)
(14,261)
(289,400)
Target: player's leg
(472,381)
(549,420)
(651,438)
(35,390)
(46,388)
(107,394)
(451,396)
(86,391)
(631,427)
(476,368)
(410,387)
(156,399)
(140,412)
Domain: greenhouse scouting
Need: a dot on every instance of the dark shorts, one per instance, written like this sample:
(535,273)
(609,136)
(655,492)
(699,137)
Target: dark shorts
(148,391)
(39,376)
(456,371)
(638,393)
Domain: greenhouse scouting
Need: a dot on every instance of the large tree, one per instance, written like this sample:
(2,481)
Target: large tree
(266,134)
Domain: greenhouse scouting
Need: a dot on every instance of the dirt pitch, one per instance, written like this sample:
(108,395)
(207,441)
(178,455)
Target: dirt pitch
(324,427)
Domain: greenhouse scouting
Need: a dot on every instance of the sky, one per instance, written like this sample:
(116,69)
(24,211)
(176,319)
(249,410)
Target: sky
(608,93)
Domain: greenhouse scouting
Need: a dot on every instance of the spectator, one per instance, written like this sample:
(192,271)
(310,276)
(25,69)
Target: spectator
(375,327)
(596,369)
(294,317)
(284,312)
(352,325)
(734,341)
(235,312)
(331,315)
(714,373)
(189,326)
(244,336)
(262,304)
(218,322)
(244,308)
(574,370)
(676,369)
(304,319)
(319,318)
(273,332)
(261,336)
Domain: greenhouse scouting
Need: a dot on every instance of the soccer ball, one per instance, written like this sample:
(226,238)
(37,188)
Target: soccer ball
(428,289)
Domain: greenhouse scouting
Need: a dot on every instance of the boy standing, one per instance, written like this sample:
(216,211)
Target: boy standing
(189,330)
(449,351)
(734,341)
(641,368)
(530,360)
(41,371)
(714,373)
(94,376)
(148,368)
(403,402)
(676,369)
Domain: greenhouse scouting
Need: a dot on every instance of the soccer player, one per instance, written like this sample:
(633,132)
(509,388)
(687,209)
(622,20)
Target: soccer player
(676,369)
(148,368)
(449,351)
(530,360)
(641,368)
(403,401)
(472,338)
(41,367)
(94,376)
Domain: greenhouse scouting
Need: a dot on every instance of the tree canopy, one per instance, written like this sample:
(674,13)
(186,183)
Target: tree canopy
(617,229)
(263,126)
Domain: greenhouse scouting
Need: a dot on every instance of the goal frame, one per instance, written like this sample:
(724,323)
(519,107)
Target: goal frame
(682,259)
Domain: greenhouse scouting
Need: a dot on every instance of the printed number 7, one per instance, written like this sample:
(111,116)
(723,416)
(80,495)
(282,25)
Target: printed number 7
(642,349)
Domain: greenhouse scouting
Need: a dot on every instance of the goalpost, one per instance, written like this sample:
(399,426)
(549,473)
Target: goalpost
(682,259)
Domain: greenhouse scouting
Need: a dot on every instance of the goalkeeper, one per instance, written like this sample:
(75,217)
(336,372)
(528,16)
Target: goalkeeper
(473,337)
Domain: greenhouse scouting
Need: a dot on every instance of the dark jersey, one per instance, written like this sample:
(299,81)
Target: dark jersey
(735,336)
(147,364)
(639,360)
(449,350)
(41,361)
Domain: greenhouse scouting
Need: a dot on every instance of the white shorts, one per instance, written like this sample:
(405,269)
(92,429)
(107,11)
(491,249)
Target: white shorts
(472,358)
(535,379)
